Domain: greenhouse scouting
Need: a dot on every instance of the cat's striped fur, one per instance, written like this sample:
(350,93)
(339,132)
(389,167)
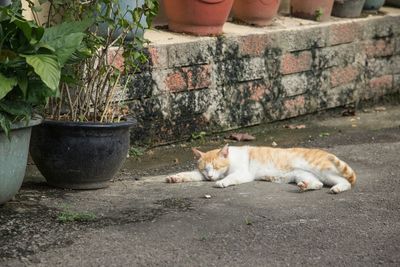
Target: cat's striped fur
(310,169)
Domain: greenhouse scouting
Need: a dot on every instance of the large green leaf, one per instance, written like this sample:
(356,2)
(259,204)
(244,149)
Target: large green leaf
(16,108)
(38,93)
(66,28)
(47,67)
(31,30)
(66,46)
(6,85)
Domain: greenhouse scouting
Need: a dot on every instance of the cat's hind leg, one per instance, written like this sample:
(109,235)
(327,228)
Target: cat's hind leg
(305,180)
(339,184)
(193,176)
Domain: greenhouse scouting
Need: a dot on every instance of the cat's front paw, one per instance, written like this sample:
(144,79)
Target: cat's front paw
(174,179)
(221,184)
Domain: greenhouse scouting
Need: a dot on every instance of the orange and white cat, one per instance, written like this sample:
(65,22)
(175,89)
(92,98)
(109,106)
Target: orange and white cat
(310,169)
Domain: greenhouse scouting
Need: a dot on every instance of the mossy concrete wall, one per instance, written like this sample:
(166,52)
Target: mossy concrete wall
(252,75)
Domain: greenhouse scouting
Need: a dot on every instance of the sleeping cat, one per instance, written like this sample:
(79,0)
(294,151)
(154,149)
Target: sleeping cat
(310,169)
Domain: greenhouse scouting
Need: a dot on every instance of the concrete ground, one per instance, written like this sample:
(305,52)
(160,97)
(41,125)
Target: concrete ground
(141,221)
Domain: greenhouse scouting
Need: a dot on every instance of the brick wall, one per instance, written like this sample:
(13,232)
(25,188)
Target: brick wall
(253,75)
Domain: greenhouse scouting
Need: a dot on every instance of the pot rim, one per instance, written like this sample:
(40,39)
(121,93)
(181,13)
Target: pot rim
(35,120)
(87,124)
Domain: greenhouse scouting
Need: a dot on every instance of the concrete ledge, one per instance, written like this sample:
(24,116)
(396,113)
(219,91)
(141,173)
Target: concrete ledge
(252,75)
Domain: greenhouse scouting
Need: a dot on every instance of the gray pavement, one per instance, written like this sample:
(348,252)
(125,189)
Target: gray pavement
(141,221)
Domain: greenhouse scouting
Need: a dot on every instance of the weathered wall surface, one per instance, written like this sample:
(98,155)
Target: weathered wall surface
(253,75)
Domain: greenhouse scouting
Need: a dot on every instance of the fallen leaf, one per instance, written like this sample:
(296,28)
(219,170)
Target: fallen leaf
(241,137)
(292,126)
(380,109)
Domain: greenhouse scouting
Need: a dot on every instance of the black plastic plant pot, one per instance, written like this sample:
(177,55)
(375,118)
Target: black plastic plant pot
(76,155)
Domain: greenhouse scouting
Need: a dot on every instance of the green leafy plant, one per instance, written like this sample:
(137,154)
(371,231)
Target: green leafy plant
(92,88)
(31,62)
(248,221)
(318,14)
(324,134)
(136,152)
(70,216)
(198,135)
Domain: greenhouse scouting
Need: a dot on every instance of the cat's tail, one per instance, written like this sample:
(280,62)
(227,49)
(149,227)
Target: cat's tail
(346,171)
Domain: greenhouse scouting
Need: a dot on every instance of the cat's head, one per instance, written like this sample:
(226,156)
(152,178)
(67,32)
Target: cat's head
(213,164)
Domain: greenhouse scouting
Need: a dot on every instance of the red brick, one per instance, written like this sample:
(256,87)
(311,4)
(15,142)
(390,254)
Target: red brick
(294,106)
(189,78)
(253,45)
(296,62)
(379,48)
(343,75)
(382,82)
(344,33)
(154,57)
(158,56)
(258,91)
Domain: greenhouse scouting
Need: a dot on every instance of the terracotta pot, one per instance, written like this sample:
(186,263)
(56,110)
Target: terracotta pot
(255,12)
(198,17)
(319,10)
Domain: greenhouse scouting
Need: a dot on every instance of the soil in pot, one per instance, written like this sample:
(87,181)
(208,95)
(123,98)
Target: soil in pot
(348,8)
(77,155)
(319,10)
(197,17)
(255,12)
(373,5)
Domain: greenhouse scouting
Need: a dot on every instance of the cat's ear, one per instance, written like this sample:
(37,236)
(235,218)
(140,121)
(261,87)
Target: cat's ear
(224,152)
(197,153)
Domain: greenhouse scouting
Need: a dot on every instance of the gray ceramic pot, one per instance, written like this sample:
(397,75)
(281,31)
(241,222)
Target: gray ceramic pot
(5,2)
(348,8)
(373,4)
(13,158)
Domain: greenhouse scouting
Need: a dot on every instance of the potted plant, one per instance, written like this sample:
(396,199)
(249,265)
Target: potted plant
(84,139)
(373,5)
(198,17)
(255,12)
(319,10)
(348,8)
(31,59)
